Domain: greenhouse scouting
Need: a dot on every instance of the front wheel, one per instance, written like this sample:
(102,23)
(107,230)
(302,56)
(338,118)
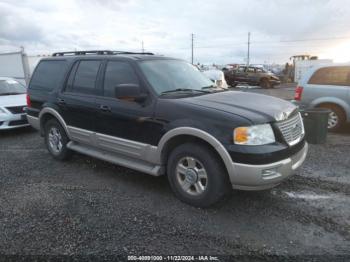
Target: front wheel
(196,175)
(233,84)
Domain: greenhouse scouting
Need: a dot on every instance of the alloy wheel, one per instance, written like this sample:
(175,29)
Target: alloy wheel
(333,120)
(191,176)
(55,140)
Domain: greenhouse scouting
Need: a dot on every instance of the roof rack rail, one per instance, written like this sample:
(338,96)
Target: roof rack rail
(99,52)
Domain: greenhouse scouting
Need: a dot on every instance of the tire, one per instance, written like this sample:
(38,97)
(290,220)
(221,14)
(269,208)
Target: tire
(56,140)
(265,83)
(186,164)
(336,119)
(233,85)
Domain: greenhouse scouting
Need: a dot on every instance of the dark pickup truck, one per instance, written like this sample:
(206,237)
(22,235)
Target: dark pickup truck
(161,116)
(252,76)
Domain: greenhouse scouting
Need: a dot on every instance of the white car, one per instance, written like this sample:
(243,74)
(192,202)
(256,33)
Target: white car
(217,76)
(12,104)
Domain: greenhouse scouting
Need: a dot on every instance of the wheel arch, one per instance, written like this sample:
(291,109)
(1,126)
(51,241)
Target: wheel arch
(334,102)
(184,134)
(50,113)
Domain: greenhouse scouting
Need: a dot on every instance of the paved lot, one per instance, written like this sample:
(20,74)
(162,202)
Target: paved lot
(86,206)
(284,91)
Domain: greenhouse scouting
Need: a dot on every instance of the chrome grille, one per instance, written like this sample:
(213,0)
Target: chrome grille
(292,129)
(16,109)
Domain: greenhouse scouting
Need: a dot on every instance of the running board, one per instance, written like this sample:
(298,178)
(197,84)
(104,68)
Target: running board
(136,164)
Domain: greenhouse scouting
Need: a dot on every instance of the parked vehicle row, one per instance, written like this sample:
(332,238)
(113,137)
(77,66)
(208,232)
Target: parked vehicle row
(162,116)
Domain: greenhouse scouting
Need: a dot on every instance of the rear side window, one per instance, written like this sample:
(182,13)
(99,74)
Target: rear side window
(118,73)
(335,75)
(83,77)
(48,75)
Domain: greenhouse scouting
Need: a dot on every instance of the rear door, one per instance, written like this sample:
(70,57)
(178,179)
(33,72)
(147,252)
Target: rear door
(77,101)
(330,82)
(123,119)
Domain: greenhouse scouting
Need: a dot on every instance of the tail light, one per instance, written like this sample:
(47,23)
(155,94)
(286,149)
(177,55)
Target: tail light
(29,103)
(298,93)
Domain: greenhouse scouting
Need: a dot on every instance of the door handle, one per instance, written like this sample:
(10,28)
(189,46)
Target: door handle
(105,108)
(61,101)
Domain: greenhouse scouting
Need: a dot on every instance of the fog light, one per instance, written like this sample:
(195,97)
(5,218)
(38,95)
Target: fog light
(270,173)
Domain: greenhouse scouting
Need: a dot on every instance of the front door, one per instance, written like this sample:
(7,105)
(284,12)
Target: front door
(251,75)
(123,121)
(241,74)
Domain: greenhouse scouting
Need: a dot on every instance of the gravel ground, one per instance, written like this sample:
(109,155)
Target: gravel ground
(91,208)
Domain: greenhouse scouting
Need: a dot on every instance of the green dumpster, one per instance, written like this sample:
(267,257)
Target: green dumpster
(316,123)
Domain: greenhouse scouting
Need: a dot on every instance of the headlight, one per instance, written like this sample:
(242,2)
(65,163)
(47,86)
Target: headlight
(254,135)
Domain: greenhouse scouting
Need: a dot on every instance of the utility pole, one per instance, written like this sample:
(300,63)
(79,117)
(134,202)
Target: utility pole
(248,55)
(192,35)
(143,48)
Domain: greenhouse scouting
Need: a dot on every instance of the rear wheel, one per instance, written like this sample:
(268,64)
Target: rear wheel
(196,175)
(336,118)
(56,140)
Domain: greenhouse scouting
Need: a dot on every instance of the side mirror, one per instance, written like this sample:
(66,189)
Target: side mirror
(129,92)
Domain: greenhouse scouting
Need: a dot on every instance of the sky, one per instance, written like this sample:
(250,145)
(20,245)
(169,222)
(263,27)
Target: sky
(279,28)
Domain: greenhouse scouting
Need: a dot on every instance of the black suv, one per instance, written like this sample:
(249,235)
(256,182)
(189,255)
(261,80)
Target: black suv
(160,115)
(251,75)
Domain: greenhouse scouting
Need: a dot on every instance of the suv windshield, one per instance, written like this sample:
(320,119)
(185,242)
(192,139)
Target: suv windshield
(11,87)
(166,76)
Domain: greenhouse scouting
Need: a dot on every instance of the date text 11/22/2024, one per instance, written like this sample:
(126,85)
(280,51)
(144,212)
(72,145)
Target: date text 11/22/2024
(172,258)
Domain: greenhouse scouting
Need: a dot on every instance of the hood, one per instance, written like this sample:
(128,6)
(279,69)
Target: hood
(255,107)
(13,100)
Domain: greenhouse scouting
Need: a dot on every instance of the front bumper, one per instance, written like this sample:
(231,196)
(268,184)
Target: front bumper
(260,177)
(11,121)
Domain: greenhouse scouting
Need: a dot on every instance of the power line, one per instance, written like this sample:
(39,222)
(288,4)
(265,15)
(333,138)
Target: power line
(306,39)
(279,41)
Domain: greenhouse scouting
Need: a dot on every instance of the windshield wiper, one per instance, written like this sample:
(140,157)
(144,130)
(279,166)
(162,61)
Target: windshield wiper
(183,90)
(211,86)
(214,87)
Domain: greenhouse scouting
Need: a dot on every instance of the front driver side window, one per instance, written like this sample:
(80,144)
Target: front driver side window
(118,73)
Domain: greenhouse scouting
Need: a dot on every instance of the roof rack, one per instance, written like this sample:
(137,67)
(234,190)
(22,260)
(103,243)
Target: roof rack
(99,52)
